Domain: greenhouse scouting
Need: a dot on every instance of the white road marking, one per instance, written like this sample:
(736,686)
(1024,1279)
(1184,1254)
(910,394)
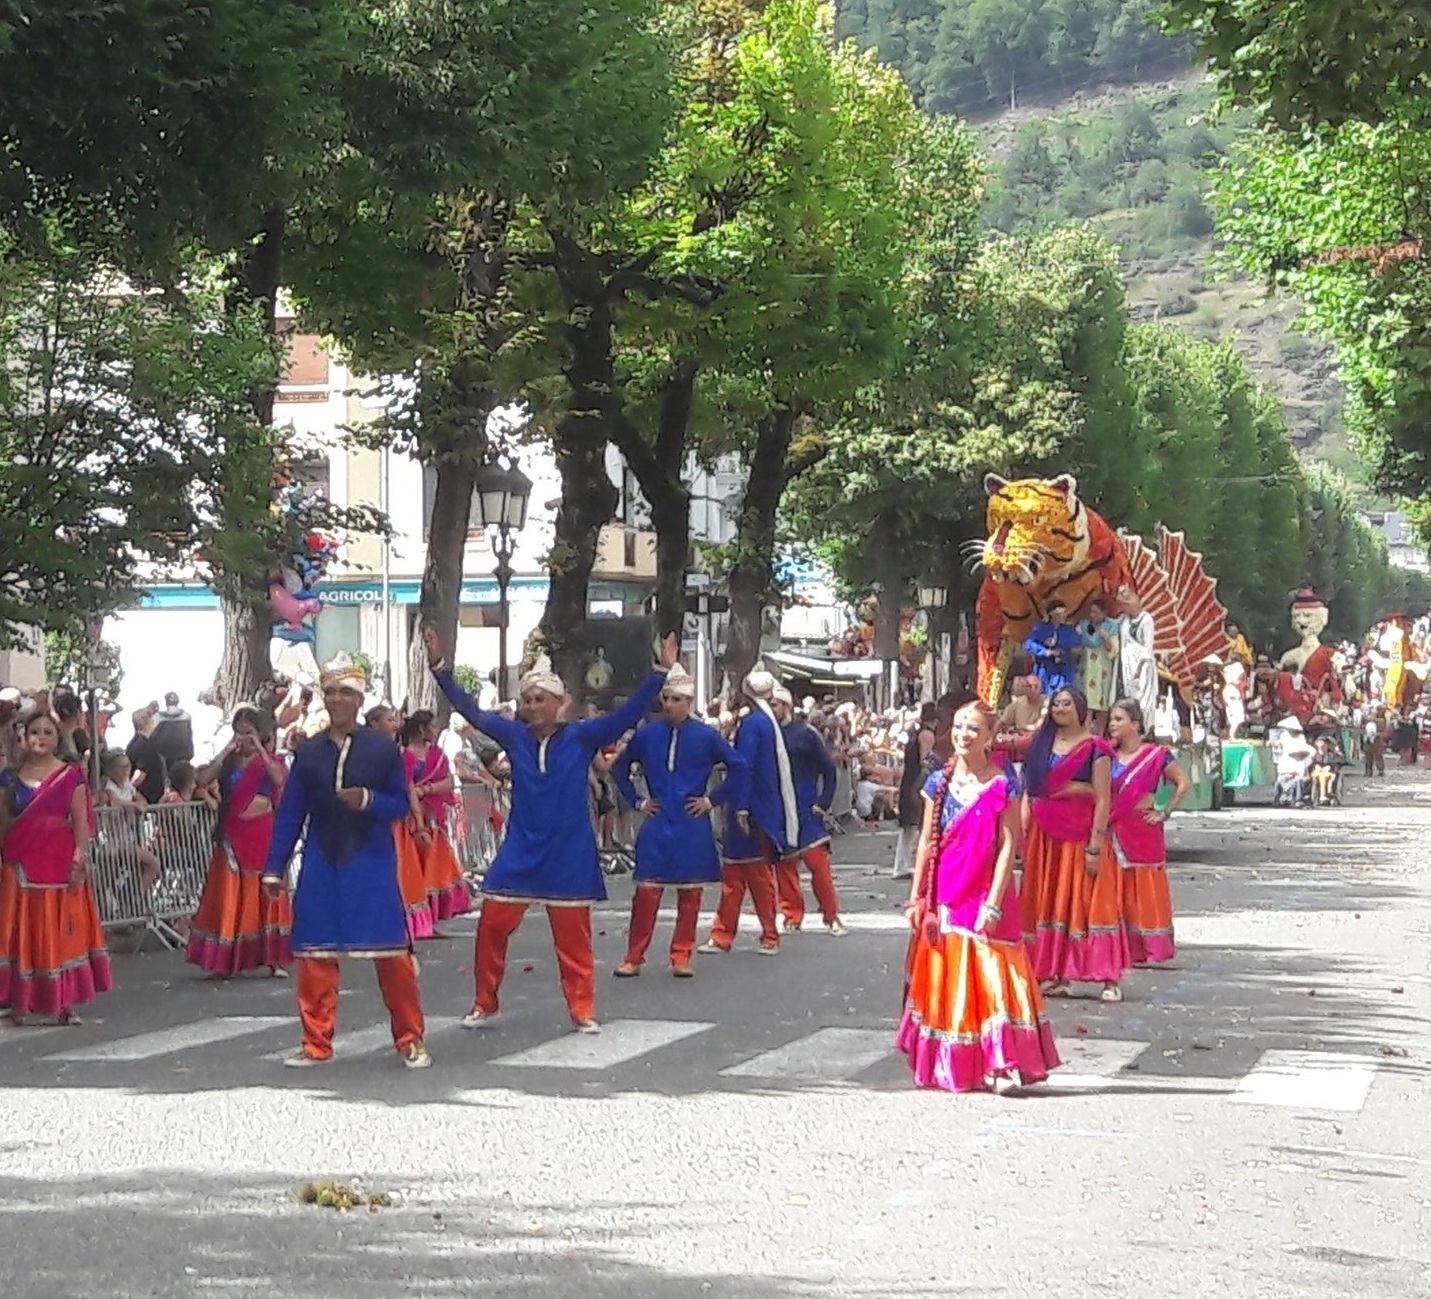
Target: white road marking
(166,1041)
(826,1055)
(375,1039)
(1310,1080)
(1092,1062)
(620,1040)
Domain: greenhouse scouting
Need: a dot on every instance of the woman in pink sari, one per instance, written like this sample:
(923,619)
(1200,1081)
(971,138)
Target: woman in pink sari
(1072,893)
(973,1019)
(432,789)
(52,951)
(238,928)
(1136,832)
(412,881)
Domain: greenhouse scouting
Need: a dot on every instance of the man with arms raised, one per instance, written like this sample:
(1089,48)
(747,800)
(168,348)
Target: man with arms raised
(348,787)
(548,856)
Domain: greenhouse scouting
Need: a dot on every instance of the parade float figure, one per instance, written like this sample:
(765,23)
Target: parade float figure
(1044,547)
(1307,672)
(1401,675)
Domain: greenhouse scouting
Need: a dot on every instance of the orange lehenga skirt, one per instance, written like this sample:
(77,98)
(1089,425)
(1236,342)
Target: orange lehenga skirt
(1148,910)
(237,928)
(52,951)
(447,891)
(412,883)
(1073,924)
(973,1011)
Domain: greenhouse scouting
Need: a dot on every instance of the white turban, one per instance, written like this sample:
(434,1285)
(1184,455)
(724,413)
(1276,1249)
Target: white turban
(781,694)
(680,682)
(759,684)
(343,674)
(541,677)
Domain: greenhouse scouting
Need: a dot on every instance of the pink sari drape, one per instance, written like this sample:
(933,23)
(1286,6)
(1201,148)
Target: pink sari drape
(1140,843)
(40,842)
(248,840)
(1068,818)
(966,864)
(431,769)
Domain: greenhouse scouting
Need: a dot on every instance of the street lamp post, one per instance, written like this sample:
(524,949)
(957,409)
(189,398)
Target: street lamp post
(933,596)
(501,494)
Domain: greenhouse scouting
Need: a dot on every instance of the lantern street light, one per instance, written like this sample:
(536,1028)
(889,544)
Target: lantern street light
(501,493)
(933,596)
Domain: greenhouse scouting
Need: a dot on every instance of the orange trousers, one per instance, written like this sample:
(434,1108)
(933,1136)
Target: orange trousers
(571,936)
(759,878)
(318,980)
(644,906)
(792,896)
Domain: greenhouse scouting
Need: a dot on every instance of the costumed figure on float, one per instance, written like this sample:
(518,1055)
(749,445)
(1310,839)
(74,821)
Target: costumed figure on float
(1307,679)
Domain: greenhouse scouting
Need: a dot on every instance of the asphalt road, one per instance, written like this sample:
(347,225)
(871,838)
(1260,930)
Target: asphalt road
(1252,1122)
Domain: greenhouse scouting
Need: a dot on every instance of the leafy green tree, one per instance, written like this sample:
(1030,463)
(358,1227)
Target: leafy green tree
(1325,64)
(424,274)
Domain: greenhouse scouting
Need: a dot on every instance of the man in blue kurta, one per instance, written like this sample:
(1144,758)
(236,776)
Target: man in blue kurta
(766,827)
(347,787)
(1053,647)
(676,847)
(815,777)
(548,855)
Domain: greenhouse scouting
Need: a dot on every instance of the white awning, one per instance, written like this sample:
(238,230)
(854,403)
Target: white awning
(828,668)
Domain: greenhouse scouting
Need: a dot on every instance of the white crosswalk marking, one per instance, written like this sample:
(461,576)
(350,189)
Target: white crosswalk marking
(826,1055)
(375,1039)
(1093,1062)
(1310,1080)
(165,1041)
(620,1040)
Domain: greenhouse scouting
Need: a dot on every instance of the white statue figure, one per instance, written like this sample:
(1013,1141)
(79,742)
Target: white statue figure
(1137,666)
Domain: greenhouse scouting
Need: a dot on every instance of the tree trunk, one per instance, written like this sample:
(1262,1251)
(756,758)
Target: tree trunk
(660,474)
(442,573)
(243,596)
(752,574)
(893,579)
(248,628)
(588,501)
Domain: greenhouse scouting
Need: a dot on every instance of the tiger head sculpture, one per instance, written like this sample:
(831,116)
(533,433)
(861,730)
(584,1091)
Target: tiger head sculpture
(1044,546)
(1037,530)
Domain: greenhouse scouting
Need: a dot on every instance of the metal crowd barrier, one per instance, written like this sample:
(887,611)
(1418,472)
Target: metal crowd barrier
(148,868)
(479,824)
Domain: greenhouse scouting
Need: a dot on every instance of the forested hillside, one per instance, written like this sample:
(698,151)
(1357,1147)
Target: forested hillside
(977,57)
(1110,125)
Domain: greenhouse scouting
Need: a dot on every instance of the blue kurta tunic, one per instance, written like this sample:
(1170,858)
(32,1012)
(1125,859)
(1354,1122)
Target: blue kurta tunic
(755,742)
(815,778)
(676,763)
(549,851)
(347,901)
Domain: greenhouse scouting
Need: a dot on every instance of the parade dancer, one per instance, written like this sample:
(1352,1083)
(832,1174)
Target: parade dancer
(347,789)
(1135,829)
(548,855)
(412,882)
(766,828)
(676,847)
(973,1018)
(237,928)
(815,778)
(52,952)
(1072,893)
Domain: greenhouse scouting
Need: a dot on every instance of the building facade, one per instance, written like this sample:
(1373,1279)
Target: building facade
(370,593)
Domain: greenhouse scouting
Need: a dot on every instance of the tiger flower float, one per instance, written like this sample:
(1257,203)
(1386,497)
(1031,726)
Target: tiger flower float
(1045,547)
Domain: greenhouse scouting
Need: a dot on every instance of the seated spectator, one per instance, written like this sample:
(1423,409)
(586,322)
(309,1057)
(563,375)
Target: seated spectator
(1293,758)
(876,792)
(1327,762)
